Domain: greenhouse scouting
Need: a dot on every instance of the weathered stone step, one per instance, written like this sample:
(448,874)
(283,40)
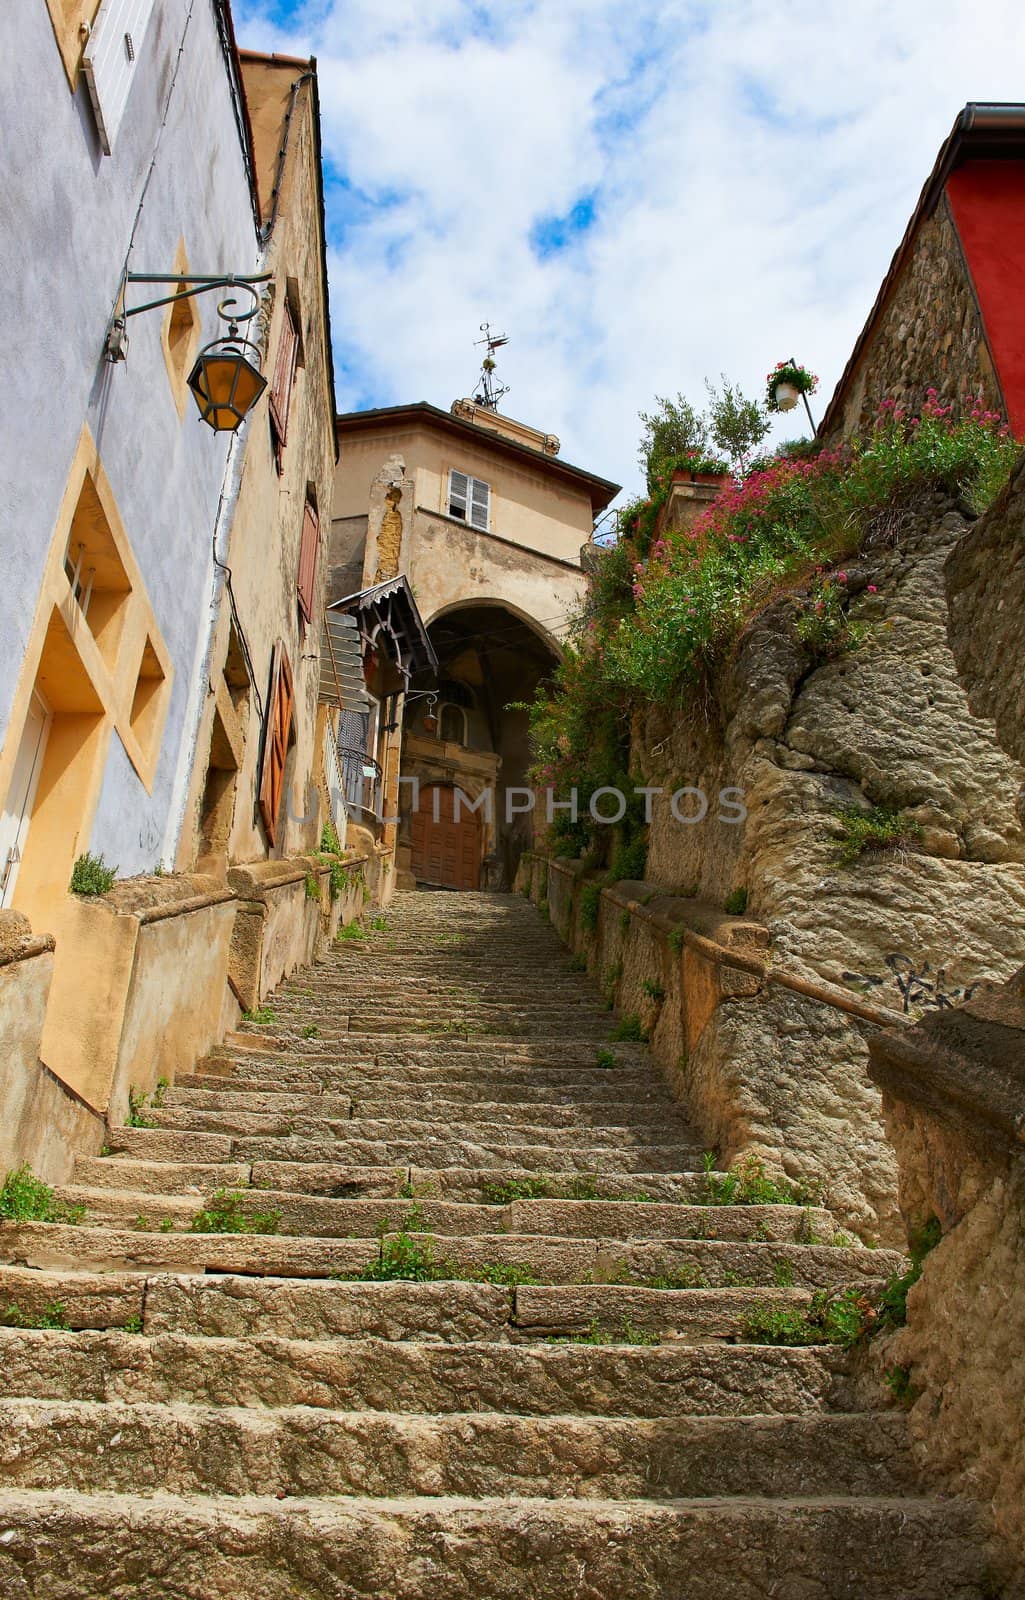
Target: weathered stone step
(69,1298)
(148,1178)
(428,1152)
(433,1076)
(171,1144)
(400,1052)
(465,1183)
(614,1380)
(430,1109)
(176,1548)
(382,1087)
(425,1127)
(139,1448)
(368,1218)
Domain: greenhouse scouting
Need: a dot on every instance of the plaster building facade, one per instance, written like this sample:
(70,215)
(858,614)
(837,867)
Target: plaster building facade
(487,523)
(949,313)
(160,620)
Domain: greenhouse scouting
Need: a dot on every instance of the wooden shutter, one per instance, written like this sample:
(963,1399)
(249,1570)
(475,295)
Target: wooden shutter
(458,494)
(284,374)
(480,499)
(275,745)
(110,61)
(309,550)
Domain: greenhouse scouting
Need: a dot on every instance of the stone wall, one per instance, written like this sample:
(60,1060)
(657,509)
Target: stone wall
(985,576)
(763,1069)
(929,335)
(952,1095)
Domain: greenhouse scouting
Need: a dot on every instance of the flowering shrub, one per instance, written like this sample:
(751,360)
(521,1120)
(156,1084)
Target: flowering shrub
(699,461)
(663,611)
(804,382)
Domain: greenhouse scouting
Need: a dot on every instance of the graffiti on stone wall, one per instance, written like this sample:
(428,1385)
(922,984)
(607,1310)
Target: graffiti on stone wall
(919,987)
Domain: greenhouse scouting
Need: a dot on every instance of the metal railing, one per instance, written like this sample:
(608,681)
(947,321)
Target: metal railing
(361,780)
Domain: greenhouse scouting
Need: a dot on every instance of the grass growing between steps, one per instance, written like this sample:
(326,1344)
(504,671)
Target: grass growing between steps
(223,1213)
(51,1316)
(410,1259)
(26,1198)
(748,1184)
(830,1318)
(627,1333)
(261,1015)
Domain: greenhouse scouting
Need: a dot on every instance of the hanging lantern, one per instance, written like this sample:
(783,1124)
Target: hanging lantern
(225,383)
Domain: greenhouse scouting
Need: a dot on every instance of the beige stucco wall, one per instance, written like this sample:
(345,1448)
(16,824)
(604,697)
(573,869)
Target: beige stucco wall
(529,506)
(42,1123)
(266,529)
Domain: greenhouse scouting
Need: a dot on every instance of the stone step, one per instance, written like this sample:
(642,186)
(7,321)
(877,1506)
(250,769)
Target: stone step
(549,1260)
(465,1183)
(433,1077)
(540,1379)
(846,1548)
(429,1109)
(148,1178)
(139,1448)
(171,1144)
(402,1052)
(70,1298)
(385,1088)
(425,1128)
(339,1218)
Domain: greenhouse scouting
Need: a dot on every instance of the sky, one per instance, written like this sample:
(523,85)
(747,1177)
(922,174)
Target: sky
(641,195)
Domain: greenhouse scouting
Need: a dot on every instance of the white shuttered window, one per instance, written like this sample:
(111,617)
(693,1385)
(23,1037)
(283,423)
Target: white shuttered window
(469,499)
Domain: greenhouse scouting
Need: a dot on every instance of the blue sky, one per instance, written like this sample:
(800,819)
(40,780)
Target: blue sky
(641,196)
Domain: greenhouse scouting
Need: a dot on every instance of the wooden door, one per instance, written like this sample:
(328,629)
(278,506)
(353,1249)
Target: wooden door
(445,852)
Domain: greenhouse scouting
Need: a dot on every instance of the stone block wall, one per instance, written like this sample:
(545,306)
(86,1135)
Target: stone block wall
(929,334)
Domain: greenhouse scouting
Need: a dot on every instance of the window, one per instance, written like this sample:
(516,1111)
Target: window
(309,552)
(275,747)
(181,334)
(452,727)
(284,381)
(469,499)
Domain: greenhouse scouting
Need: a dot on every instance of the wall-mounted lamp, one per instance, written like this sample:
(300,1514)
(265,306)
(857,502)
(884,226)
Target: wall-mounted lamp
(225,383)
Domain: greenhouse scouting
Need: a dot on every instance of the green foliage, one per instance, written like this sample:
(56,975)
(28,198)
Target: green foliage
(157,1098)
(403,1258)
(261,1015)
(737,425)
(630,861)
(666,611)
(309,1031)
(52,1316)
(583,1186)
(329,840)
(578,963)
(893,1303)
(689,1276)
(829,1319)
(673,428)
(654,991)
(351,932)
(223,1213)
(91,875)
(26,1198)
(629,1027)
(378,924)
(804,381)
(898,1381)
(735,903)
(133,1324)
(136,1117)
(311,884)
(503,1191)
(878,828)
(606,1059)
(748,1184)
(590,901)
(508,1274)
(824,625)
(675,941)
(596,1334)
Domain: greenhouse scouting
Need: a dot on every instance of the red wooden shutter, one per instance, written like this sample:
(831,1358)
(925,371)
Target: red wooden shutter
(309,550)
(284,374)
(275,747)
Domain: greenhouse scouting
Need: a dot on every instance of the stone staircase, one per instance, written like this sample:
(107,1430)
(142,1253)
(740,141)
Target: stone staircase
(556,1400)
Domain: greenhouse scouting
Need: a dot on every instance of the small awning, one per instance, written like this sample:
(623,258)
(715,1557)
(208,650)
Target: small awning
(390,608)
(341,663)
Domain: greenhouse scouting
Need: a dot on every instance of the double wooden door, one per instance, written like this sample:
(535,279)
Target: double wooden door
(446,851)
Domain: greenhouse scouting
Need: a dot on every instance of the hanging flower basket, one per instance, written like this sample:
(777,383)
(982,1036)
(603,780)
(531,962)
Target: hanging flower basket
(785,385)
(696,467)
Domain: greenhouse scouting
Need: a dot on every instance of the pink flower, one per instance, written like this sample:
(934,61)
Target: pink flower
(872,589)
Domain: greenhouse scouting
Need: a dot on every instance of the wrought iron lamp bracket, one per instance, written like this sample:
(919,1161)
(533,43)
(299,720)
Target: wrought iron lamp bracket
(186,286)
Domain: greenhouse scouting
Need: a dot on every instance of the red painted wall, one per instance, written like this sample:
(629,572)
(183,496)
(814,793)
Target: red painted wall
(987,199)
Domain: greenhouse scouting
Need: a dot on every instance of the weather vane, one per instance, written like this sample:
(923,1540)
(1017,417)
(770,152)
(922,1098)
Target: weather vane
(490,392)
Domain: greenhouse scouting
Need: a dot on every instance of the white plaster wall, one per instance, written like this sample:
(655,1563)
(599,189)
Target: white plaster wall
(64,233)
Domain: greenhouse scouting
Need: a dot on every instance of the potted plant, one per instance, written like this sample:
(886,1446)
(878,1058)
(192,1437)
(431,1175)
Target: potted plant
(786,383)
(697,466)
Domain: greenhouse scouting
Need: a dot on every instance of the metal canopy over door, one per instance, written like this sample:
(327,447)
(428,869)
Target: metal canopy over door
(446,852)
(17,811)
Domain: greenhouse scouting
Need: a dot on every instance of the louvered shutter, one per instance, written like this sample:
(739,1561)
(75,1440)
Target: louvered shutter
(309,550)
(458,494)
(275,748)
(284,374)
(480,496)
(110,60)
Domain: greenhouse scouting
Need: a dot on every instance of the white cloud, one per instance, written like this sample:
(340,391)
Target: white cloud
(754,165)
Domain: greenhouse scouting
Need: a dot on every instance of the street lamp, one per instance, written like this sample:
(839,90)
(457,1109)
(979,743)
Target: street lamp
(224,382)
